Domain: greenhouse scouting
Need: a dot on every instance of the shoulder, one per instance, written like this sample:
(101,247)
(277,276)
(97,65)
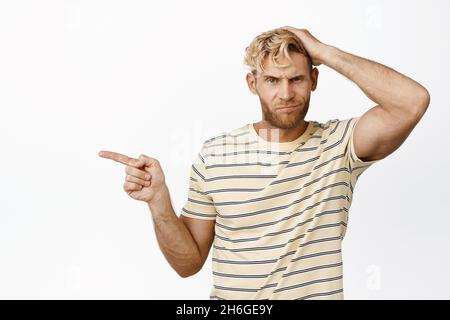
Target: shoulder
(228,138)
(339,128)
(326,128)
(335,133)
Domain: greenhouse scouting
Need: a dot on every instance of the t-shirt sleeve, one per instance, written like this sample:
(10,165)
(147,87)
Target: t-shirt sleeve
(355,164)
(199,204)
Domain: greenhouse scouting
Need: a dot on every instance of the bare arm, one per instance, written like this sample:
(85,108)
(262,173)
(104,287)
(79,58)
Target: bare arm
(185,242)
(401,101)
(381,84)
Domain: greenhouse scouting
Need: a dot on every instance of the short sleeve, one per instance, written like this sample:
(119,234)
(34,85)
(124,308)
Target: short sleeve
(199,204)
(356,165)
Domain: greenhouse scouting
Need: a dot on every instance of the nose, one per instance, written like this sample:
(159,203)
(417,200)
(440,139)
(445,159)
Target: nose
(285,91)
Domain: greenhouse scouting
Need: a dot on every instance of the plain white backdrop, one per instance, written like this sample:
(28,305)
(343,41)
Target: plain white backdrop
(160,77)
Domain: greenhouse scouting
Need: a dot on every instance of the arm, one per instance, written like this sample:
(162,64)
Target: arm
(401,101)
(185,242)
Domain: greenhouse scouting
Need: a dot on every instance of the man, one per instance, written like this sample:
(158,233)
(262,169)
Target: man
(274,195)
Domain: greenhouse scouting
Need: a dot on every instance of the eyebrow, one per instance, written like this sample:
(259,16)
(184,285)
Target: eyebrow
(266,76)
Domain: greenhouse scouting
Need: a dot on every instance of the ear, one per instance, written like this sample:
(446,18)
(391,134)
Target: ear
(314,78)
(251,82)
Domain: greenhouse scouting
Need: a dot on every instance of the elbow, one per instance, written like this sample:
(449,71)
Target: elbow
(422,103)
(425,99)
(187,273)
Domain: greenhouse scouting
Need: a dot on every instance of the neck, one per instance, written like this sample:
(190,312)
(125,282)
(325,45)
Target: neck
(274,134)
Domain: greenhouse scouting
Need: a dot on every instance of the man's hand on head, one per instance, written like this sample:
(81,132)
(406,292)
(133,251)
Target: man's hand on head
(313,46)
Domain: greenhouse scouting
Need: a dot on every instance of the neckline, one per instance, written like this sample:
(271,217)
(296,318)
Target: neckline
(283,146)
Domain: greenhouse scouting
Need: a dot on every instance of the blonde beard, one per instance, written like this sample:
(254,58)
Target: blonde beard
(284,122)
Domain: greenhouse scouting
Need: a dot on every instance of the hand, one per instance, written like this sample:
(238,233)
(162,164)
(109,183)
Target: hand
(313,46)
(145,179)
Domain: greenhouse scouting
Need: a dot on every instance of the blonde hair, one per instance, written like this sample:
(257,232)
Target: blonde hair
(274,44)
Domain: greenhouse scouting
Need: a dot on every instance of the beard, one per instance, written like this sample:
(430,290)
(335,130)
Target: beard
(285,120)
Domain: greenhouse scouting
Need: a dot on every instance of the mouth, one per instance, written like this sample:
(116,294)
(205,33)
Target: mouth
(288,108)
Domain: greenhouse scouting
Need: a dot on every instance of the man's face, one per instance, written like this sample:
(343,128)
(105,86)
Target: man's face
(284,87)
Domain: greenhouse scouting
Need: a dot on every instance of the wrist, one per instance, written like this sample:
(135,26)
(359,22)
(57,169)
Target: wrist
(160,198)
(327,52)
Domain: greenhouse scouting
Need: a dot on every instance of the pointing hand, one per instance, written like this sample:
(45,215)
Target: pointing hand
(144,176)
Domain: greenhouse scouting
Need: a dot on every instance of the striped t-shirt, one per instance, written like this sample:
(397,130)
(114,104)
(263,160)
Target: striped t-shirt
(281,210)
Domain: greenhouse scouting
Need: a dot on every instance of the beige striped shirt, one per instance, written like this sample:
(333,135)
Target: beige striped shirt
(281,210)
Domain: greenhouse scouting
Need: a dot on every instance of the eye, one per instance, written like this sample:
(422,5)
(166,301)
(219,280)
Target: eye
(271,80)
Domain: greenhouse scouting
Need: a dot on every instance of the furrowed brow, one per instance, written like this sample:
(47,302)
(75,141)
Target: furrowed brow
(267,76)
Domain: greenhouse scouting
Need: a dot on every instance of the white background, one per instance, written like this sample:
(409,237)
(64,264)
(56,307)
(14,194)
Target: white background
(159,78)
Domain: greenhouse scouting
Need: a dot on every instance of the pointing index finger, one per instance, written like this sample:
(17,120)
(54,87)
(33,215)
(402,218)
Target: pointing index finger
(118,157)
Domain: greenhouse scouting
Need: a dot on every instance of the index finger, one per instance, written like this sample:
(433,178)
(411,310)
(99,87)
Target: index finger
(118,157)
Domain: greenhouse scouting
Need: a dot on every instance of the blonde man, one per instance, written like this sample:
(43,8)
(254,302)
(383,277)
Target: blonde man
(274,196)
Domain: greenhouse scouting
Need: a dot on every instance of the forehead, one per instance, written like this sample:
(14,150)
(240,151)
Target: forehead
(299,65)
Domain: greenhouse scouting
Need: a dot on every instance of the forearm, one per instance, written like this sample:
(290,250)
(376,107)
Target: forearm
(174,238)
(383,85)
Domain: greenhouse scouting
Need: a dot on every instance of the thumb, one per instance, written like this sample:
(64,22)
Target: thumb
(135,163)
(147,161)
